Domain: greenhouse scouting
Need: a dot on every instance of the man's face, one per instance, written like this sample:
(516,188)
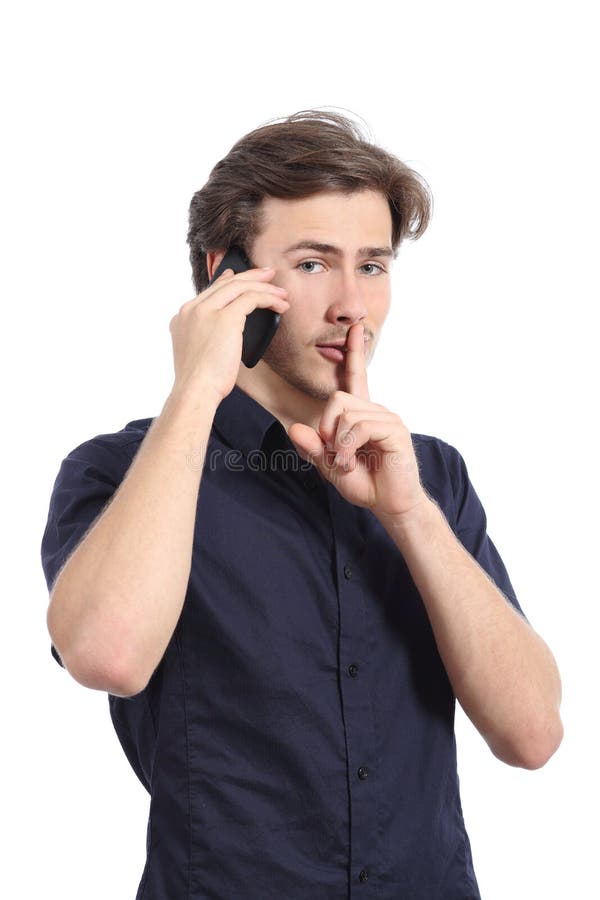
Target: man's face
(328,291)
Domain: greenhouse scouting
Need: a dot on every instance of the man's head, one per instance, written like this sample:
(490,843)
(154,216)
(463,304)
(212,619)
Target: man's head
(311,178)
(307,153)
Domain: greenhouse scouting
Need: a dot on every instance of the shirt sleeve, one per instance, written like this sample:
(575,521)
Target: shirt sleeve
(471,528)
(87,479)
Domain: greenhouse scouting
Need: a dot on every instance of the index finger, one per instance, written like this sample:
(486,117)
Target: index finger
(356,367)
(253,272)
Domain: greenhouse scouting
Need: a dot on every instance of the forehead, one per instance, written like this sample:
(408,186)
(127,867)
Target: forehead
(361,215)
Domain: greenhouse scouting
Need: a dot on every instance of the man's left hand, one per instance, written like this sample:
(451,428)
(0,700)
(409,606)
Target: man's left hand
(361,447)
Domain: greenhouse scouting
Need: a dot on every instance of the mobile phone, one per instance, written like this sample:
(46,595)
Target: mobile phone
(261,324)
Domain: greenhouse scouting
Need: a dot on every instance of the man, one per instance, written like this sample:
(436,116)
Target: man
(282,589)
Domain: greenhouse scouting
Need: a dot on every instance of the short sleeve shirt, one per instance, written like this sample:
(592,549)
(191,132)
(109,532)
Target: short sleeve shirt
(297,737)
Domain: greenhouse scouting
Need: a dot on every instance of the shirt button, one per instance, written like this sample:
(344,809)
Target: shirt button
(363,772)
(353,669)
(347,572)
(363,875)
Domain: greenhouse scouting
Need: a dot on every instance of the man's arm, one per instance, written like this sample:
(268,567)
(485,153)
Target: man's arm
(502,672)
(116,601)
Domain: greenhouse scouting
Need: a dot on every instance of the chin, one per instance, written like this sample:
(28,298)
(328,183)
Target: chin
(306,381)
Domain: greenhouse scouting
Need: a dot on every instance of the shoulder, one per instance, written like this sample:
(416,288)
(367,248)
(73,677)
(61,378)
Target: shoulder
(442,471)
(118,447)
(436,457)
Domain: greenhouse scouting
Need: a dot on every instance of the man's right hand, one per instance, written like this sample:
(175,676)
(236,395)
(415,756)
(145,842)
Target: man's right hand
(207,331)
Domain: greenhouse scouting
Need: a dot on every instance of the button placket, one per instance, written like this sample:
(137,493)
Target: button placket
(356,698)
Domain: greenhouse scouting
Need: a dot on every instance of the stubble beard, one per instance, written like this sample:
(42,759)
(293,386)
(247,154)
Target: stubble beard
(285,358)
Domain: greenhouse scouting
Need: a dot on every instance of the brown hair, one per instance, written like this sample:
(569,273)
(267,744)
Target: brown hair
(307,153)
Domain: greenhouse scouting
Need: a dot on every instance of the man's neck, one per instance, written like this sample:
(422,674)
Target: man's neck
(285,402)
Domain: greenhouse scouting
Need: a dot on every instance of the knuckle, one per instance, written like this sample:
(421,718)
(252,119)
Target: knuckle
(200,309)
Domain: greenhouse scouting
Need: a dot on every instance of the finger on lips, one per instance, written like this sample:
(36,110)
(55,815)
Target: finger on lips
(356,369)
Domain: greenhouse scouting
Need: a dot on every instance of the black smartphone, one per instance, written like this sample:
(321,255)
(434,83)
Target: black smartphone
(261,324)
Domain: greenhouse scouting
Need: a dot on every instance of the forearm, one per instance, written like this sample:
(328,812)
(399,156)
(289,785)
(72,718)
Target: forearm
(502,672)
(117,600)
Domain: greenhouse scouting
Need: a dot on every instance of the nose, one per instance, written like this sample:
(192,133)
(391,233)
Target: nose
(347,306)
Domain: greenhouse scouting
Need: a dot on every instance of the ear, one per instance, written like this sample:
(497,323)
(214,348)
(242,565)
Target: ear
(213,258)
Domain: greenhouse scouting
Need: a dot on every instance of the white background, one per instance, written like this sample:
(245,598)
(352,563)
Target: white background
(113,115)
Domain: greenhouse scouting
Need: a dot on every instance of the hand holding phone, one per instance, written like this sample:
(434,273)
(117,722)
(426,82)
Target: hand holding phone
(210,331)
(261,324)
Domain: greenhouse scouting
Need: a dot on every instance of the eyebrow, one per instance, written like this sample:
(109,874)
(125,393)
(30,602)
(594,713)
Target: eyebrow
(335,251)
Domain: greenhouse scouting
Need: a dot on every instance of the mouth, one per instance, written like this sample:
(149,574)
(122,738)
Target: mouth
(336,354)
(337,351)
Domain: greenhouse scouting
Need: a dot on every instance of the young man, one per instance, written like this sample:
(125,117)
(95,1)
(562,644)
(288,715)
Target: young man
(282,589)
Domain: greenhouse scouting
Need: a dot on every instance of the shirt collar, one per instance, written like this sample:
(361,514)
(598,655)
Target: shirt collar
(244,423)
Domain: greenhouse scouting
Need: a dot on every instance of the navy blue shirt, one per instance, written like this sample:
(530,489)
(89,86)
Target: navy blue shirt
(297,738)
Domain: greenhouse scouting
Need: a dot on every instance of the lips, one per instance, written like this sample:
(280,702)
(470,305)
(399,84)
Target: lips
(336,350)
(336,354)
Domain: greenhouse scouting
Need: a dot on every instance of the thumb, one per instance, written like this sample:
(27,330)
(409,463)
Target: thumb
(307,442)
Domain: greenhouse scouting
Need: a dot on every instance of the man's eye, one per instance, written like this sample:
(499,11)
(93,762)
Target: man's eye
(309,262)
